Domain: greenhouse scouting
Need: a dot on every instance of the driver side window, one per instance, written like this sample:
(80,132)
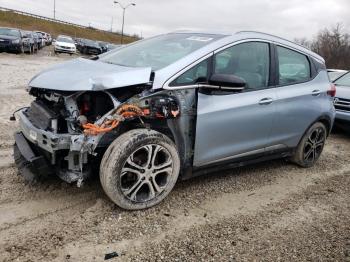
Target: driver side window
(249,61)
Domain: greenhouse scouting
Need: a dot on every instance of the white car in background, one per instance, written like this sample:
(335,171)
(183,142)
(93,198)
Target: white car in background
(342,101)
(65,44)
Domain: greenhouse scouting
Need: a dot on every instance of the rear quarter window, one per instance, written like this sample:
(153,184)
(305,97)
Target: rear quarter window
(293,67)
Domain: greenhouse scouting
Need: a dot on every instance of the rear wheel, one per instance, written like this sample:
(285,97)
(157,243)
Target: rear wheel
(311,145)
(139,169)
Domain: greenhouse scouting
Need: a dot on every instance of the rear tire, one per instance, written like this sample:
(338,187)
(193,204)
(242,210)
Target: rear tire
(311,146)
(139,169)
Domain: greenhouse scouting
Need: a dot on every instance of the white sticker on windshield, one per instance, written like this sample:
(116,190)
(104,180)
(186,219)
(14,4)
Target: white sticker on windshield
(199,38)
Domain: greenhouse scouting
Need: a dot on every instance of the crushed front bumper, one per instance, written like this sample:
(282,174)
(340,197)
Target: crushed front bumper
(39,152)
(30,165)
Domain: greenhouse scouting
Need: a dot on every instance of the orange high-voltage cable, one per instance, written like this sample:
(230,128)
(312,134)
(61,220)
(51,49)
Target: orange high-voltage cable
(126,111)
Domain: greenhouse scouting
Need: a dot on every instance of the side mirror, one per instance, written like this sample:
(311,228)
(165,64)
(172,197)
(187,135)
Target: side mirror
(227,82)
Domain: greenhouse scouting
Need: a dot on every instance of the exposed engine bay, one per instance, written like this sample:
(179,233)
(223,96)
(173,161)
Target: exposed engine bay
(72,129)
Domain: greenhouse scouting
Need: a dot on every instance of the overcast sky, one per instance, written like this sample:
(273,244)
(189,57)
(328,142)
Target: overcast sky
(290,19)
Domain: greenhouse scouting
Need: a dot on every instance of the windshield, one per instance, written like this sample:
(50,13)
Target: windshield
(10,32)
(90,42)
(344,80)
(159,52)
(65,40)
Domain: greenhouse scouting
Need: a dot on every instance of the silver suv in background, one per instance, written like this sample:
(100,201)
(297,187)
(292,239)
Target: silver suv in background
(175,106)
(342,101)
(334,74)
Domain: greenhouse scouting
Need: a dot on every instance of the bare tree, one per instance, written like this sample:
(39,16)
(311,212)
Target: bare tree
(334,46)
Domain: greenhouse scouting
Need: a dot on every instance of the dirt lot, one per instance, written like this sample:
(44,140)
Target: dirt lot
(271,211)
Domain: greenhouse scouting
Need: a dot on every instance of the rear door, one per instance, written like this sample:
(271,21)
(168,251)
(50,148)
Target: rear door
(235,125)
(300,97)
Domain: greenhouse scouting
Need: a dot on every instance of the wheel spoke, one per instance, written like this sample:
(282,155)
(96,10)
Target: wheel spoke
(164,165)
(131,170)
(163,170)
(313,155)
(149,149)
(307,155)
(321,143)
(136,190)
(131,162)
(152,192)
(156,186)
(155,153)
(136,185)
(318,131)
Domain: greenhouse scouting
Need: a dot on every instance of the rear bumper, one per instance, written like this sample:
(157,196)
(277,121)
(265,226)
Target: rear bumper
(29,164)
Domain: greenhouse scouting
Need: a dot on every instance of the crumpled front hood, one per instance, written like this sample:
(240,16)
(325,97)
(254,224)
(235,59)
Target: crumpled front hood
(88,75)
(343,92)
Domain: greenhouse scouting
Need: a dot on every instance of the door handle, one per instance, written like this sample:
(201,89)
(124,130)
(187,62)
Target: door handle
(266,101)
(316,92)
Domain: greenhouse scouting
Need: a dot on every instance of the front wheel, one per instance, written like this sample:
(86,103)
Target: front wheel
(311,145)
(139,169)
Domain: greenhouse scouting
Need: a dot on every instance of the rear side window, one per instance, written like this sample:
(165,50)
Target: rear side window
(293,67)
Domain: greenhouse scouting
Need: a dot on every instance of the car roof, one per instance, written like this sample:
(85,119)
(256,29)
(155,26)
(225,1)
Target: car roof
(10,28)
(245,35)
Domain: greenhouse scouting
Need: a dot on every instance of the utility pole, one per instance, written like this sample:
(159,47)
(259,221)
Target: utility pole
(54,9)
(112,25)
(124,8)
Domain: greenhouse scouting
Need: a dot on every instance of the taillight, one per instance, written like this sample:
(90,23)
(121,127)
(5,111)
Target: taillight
(331,92)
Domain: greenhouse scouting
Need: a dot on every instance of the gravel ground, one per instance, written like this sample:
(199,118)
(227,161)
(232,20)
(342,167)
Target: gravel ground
(270,211)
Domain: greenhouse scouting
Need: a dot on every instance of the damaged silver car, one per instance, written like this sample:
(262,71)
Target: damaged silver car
(176,105)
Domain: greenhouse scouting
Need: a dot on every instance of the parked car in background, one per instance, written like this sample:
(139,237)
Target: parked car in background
(113,46)
(49,39)
(103,46)
(89,47)
(65,44)
(342,101)
(175,106)
(32,41)
(12,40)
(42,38)
(335,73)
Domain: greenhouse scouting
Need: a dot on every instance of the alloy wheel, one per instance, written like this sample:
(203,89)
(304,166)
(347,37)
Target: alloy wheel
(314,145)
(146,173)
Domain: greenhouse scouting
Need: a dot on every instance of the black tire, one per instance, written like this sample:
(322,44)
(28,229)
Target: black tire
(131,145)
(311,146)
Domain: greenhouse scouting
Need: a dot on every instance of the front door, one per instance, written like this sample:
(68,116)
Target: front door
(235,125)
